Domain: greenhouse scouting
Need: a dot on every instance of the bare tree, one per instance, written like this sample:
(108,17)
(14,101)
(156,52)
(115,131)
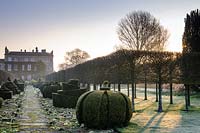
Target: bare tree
(140,31)
(74,57)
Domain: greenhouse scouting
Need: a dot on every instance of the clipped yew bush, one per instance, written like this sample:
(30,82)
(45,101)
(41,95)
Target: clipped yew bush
(73,84)
(103,109)
(20,84)
(6,94)
(11,86)
(67,99)
(49,89)
(68,96)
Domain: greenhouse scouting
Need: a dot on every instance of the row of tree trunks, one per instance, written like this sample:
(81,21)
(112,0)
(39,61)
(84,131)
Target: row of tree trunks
(187,97)
(145,86)
(171,94)
(135,96)
(156,92)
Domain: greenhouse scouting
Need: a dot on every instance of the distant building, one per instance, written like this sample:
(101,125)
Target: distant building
(27,65)
(2,64)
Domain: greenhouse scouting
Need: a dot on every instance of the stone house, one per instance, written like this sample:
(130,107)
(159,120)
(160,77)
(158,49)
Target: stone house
(27,65)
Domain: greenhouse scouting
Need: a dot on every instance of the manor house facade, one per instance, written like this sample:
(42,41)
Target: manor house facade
(27,65)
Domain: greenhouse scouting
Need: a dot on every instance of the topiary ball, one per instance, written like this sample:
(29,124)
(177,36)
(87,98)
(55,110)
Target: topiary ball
(103,109)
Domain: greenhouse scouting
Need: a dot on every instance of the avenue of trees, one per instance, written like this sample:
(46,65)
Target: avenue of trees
(140,58)
(140,31)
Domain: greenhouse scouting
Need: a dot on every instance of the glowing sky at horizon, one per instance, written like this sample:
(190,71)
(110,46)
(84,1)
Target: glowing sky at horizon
(63,25)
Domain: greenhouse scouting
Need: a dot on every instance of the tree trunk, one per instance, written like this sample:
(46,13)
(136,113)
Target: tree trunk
(186,97)
(160,93)
(188,92)
(119,87)
(133,102)
(100,85)
(95,87)
(128,89)
(145,86)
(114,86)
(171,93)
(135,91)
(88,86)
(171,84)
(156,92)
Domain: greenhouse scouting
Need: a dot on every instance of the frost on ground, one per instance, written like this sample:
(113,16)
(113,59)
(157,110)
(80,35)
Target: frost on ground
(27,112)
(172,119)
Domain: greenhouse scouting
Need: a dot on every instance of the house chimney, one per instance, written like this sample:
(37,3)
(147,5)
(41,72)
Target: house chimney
(36,49)
(6,50)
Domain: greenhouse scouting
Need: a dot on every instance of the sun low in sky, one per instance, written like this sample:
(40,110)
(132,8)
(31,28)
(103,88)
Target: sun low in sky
(63,25)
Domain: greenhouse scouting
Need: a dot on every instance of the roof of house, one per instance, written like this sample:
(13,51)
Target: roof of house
(30,53)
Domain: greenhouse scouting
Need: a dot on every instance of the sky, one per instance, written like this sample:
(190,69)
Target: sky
(91,25)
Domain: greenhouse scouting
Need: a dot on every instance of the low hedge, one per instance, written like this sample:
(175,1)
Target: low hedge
(6,94)
(11,86)
(49,89)
(67,99)
(73,84)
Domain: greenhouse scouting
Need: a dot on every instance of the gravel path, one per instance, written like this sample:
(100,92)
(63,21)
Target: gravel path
(32,119)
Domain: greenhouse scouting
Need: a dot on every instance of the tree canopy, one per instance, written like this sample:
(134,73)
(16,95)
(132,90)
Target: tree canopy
(74,57)
(139,30)
(191,35)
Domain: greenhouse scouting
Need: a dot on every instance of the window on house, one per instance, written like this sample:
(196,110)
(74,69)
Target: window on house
(26,59)
(35,68)
(9,67)
(29,77)
(15,67)
(23,67)
(9,58)
(29,67)
(32,59)
(22,77)
(15,59)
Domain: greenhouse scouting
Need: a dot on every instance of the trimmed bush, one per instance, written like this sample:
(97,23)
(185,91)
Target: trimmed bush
(11,86)
(67,99)
(49,89)
(20,84)
(103,109)
(73,84)
(1,102)
(6,94)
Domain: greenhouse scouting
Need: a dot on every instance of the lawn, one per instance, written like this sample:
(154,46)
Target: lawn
(172,119)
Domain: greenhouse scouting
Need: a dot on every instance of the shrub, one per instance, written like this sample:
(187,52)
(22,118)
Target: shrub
(73,84)
(67,99)
(20,84)
(48,90)
(11,86)
(6,94)
(1,101)
(103,109)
